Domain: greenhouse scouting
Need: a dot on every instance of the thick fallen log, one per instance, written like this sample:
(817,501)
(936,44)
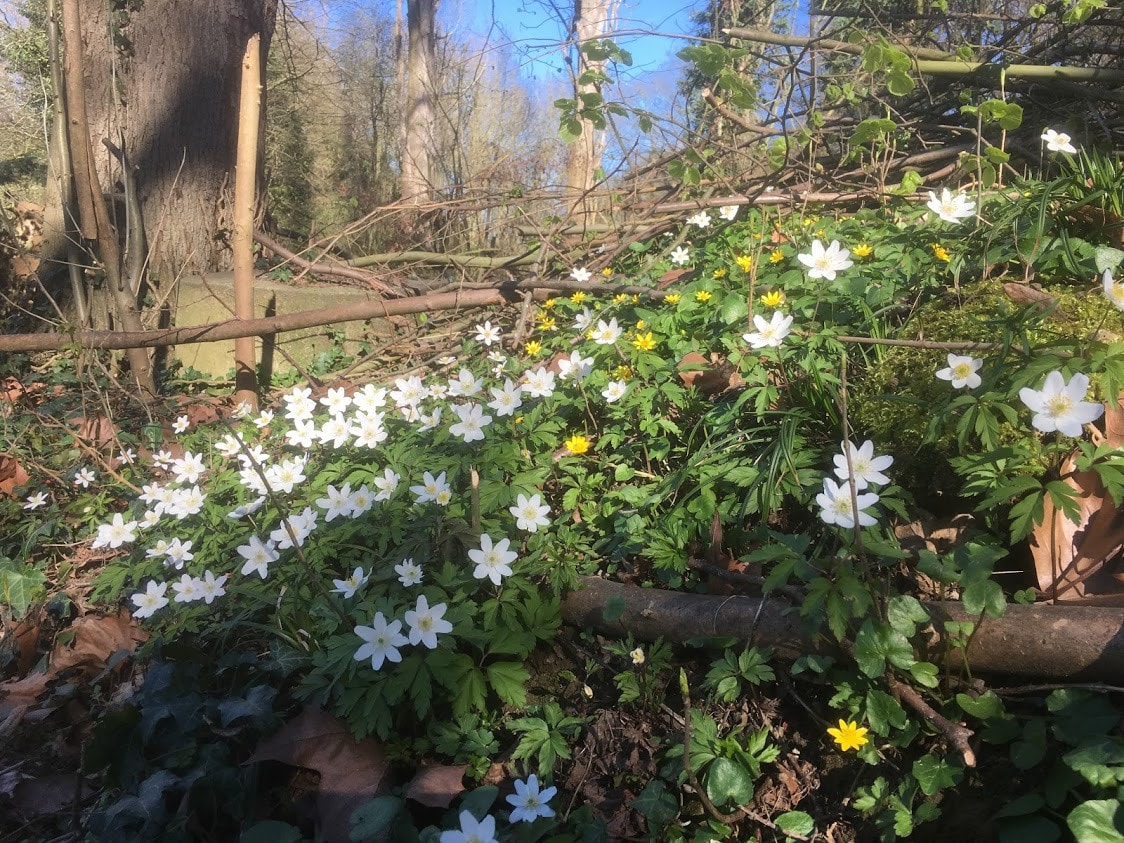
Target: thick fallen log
(1044,641)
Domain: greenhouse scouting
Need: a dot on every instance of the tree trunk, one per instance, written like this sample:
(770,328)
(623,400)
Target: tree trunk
(419,114)
(592,19)
(162,82)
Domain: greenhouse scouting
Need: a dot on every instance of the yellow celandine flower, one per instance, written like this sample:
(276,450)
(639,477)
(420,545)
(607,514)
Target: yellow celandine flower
(863,250)
(744,262)
(547,324)
(548,304)
(849,735)
(777,256)
(533,347)
(645,342)
(623,373)
(702,295)
(941,253)
(606,272)
(577,444)
(641,325)
(672,298)
(518,420)
(620,298)
(773,298)
(578,297)
(636,298)
(719,273)
(820,232)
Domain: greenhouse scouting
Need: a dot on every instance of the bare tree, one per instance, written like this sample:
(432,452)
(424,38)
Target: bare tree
(419,114)
(591,22)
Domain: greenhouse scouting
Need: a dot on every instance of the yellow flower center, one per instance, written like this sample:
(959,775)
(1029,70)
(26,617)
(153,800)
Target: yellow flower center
(1059,405)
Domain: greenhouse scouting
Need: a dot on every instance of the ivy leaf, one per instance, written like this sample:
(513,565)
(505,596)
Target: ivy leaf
(984,596)
(796,822)
(1097,821)
(1031,749)
(20,584)
(371,818)
(656,805)
(935,774)
(883,712)
(874,646)
(904,612)
(1108,258)
(985,707)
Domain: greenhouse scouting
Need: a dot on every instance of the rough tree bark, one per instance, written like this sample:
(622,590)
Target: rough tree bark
(420,114)
(162,83)
(592,19)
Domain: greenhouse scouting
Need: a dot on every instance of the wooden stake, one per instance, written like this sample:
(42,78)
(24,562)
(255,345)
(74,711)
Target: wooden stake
(245,185)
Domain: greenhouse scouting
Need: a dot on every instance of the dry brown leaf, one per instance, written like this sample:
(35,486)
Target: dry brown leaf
(17,695)
(48,795)
(710,376)
(25,635)
(351,772)
(11,474)
(96,638)
(1069,556)
(438,786)
(96,431)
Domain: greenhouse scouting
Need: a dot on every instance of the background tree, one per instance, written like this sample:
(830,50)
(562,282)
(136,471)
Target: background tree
(420,114)
(162,83)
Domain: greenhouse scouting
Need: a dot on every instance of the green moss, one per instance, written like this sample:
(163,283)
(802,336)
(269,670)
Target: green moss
(893,401)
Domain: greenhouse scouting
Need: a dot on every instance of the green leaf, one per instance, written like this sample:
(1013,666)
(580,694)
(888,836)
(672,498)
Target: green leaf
(985,707)
(1108,258)
(934,774)
(734,309)
(272,831)
(1028,829)
(884,712)
(570,129)
(1097,821)
(1101,763)
(372,817)
(20,585)
(984,596)
(874,646)
(479,802)
(614,608)
(899,83)
(796,822)
(871,129)
(509,680)
(1031,749)
(925,674)
(904,612)
(728,782)
(657,805)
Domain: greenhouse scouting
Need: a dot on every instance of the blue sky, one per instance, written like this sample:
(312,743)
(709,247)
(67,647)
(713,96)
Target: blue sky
(536,31)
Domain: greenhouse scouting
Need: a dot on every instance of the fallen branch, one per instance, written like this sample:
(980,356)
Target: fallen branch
(957,735)
(368,278)
(505,293)
(1051,642)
